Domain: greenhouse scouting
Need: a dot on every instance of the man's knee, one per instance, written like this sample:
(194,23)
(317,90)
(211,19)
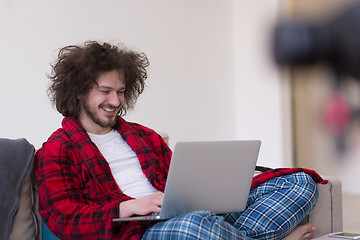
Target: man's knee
(305,184)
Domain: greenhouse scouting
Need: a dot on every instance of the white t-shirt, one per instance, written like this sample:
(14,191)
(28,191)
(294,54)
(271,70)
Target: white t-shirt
(124,164)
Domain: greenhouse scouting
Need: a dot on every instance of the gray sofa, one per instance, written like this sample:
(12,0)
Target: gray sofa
(327,215)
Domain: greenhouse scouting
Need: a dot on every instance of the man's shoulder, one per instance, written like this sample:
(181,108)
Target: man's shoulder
(57,139)
(140,129)
(58,136)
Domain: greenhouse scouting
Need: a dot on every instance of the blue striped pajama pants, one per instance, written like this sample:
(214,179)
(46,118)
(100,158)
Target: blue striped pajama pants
(273,209)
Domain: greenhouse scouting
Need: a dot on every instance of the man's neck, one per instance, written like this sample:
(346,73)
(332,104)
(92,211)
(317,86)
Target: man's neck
(94,128)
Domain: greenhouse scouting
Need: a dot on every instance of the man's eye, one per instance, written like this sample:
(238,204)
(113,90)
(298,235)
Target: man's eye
(105,92)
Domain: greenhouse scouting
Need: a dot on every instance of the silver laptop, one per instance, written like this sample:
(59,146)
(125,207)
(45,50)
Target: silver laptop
(214,176)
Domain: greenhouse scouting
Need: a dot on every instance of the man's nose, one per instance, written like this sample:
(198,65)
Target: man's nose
(114,99)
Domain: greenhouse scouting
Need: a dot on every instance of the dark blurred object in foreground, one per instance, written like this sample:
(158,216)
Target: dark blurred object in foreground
(335,41)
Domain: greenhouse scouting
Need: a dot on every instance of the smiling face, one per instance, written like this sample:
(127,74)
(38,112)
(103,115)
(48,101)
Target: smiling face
(100,106)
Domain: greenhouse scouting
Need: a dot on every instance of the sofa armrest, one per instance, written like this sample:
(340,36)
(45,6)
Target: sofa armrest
(327,214)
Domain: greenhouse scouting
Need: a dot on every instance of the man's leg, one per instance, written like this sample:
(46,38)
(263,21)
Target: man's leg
(202,225)
(276,206)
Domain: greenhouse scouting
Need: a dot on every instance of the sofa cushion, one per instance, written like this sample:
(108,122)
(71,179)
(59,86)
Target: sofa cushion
(25,226)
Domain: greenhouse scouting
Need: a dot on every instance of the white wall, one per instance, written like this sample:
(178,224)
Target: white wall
(261,97)
(210,76)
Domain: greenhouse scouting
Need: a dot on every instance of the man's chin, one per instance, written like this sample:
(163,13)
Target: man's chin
(106,123)
(111,122)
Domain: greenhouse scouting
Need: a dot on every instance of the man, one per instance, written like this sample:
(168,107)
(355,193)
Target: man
(98,166)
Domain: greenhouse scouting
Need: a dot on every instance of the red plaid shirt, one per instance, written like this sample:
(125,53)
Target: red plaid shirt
(78,194)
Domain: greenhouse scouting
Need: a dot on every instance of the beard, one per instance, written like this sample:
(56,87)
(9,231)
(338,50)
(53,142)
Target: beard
(93,114)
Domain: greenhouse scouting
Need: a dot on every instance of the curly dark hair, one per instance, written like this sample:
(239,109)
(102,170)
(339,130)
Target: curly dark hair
(77,68)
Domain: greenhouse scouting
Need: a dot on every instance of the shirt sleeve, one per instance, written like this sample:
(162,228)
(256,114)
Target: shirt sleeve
(65,209)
